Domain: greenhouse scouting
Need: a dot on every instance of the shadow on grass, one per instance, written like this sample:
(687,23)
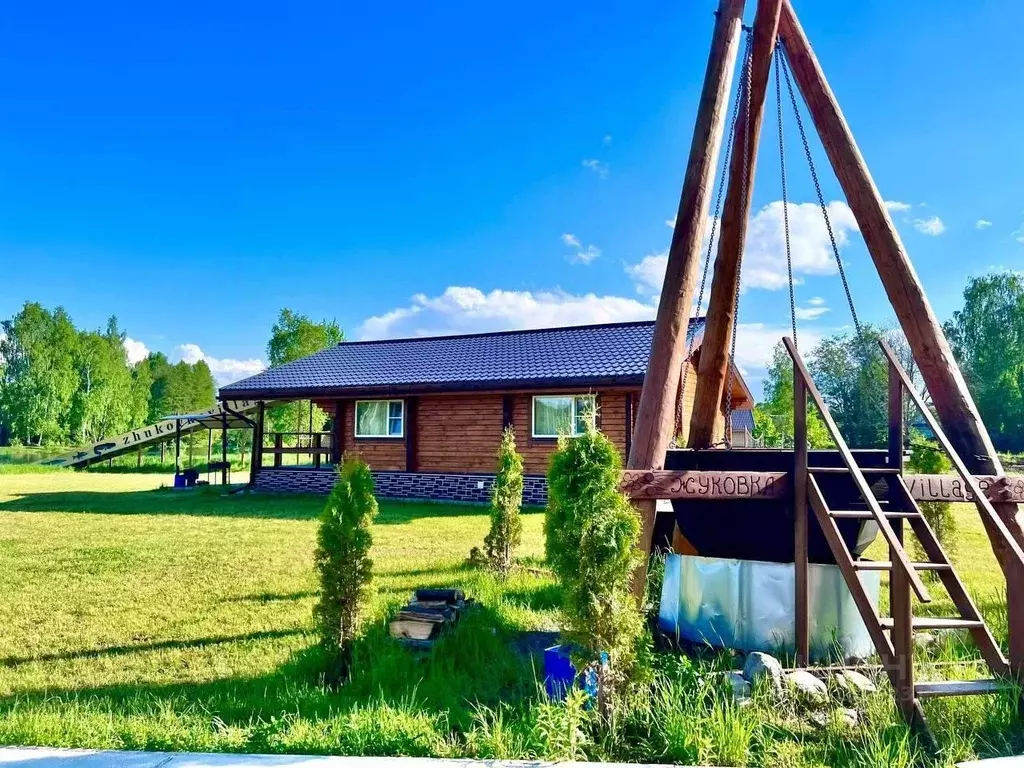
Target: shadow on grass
(213,502)
(270,597)
(120,650)
(544,598)
(475,663)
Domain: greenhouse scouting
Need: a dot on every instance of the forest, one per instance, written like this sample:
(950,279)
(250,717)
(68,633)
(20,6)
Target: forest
(62,385)
(987,338)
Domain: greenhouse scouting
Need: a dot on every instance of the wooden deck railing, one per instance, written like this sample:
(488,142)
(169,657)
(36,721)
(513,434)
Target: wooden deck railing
(314,444)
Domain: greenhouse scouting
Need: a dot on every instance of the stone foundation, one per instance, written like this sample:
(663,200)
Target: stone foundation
(434,486)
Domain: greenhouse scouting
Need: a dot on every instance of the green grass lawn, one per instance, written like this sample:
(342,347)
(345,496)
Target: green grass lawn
(138,618)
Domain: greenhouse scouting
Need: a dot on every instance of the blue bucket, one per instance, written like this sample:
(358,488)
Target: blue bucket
(559,672)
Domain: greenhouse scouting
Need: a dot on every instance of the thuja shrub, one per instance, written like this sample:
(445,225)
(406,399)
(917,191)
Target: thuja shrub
(506,532)
(344,566)
(927,458)
(592,533)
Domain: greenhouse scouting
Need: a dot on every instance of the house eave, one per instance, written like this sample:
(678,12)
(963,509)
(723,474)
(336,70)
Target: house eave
(584,383)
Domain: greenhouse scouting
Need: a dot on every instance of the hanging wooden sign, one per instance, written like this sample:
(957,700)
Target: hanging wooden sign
(696,484)
(952,488)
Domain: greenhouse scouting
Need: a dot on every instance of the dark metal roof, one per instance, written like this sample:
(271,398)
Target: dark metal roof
(587,355)
(743,419)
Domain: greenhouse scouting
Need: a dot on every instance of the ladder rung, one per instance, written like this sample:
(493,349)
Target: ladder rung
(957,687)
(866,514)
(927,622)
(864,470)
(886,565)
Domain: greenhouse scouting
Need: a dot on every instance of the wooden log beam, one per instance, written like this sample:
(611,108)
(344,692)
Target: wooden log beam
(655,420)
(730,485)
(707,422)
(950,396)
(696,484)
(952,488)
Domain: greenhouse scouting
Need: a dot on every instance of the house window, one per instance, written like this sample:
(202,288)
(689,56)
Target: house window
(380,418)
(556,415)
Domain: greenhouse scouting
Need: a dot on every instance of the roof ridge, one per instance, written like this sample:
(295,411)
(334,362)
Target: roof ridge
(512,331)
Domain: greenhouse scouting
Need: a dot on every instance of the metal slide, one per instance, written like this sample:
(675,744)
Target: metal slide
(153,433)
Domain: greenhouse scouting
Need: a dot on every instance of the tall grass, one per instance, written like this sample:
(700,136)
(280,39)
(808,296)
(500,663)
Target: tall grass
(135,618)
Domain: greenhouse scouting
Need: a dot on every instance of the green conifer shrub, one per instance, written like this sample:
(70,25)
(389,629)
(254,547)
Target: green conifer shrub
(506,531)
(592,533)
(343,563)
(927,458)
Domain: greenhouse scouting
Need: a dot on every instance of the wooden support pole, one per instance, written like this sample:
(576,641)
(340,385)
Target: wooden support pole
(655,420)
(177,446)
(707,422)
(224,449)
(950,396)
(336,432)
(257,443)
(801,567)
(411,434)
(900,599)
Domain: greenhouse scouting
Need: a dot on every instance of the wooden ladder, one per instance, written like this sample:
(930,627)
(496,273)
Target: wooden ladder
(892,636)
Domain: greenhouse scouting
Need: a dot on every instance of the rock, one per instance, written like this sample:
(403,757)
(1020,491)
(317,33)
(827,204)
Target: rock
(924,640)
(849,685)
(806,688)
(849,717)
(738,686)
(764,666)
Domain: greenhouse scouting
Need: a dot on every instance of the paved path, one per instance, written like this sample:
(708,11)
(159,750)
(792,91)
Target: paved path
(45,757)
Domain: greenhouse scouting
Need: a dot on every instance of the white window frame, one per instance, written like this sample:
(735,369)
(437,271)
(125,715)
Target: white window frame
(355,421)
(533,413)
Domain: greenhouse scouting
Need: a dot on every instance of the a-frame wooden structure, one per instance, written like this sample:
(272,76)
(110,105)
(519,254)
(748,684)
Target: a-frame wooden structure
(968,441)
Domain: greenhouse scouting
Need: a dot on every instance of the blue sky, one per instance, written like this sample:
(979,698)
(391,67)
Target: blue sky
(409,168)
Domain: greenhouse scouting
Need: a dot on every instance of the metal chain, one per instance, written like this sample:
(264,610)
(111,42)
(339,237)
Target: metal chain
(747,76)
(785,198)
(817,186)
(747,52)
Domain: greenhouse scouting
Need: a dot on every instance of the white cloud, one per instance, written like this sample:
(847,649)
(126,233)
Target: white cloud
(895,206)
(671,223)
(764,263)
(607,139)
(817,301)
(225,370)
(649,273)
(930,226)
(580,255)
(465,309)
(135,350)
(601,169)
(810,313)
(586,255)
(982,224)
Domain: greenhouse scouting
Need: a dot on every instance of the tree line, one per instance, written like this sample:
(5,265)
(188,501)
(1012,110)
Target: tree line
(987,339)
(61,385)
(64,385)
